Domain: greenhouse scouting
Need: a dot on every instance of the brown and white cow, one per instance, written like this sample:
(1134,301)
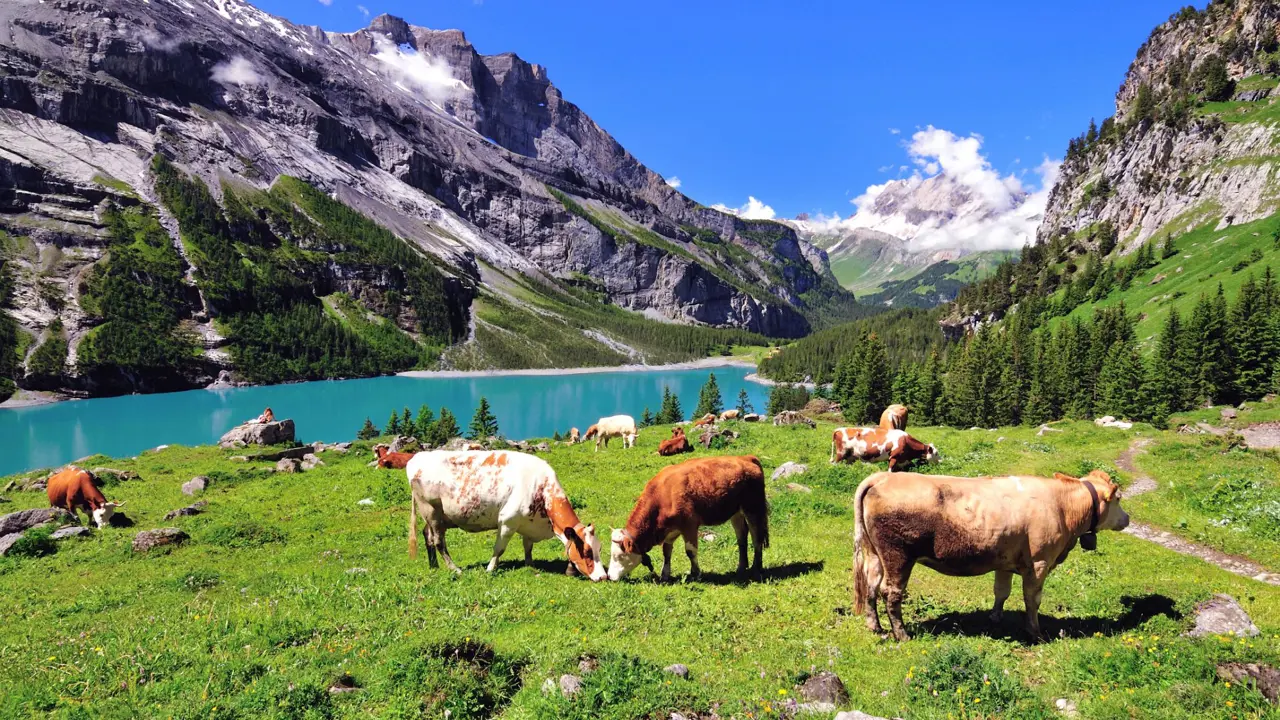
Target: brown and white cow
(510,492)
(391,460)
(972,526)
(676,444)
(72,489)
(730,414)
(850,444)
(708,419)
(682,498)
(894,417)
(623,426)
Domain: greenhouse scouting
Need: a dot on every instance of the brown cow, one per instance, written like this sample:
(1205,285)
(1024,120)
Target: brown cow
(973,526)
(677,444)
(682,498)
(391,460)
(894,417)
(708,419)
(877,445)
(72,488)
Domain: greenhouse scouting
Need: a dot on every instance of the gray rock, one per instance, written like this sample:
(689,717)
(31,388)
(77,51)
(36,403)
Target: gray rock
(70,532)
(791,417)
(404,443)
(293,453)
(24,520)
(192,509)
(366,502)
(1222,615)
(856,715)
(588,665)
(570,685)
(824,687)
(797,487)
(310,462)
(678,669)
(272,433)
(1229,413)
(549,686)
(195,485)
(542,447)
(1252,95)
(1264,677)
(289,465)
(751,417)
(1066,707)
(813,708)
(148,540)
(7,541)
(787,469)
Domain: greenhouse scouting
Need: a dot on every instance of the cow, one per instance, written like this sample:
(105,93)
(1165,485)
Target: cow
(391,460)
(682,498)
(708,419)
(972,526)
(877,445)
(730,414)
(575,437)
(677,443)
(510,492)
(894,417)
(73,489)
(623,426)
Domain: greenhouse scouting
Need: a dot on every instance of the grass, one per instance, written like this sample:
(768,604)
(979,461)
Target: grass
(289,585)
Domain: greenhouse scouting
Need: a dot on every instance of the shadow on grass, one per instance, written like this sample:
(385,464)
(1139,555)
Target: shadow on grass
(1138,610)
(774,572)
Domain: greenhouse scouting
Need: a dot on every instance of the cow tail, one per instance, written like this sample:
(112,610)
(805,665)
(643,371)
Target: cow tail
(413,523)
(861,546)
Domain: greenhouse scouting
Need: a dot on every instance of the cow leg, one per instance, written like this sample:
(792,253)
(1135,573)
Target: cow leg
(739,523)
(758,525)
(691,549)
(874,575)
(897,572)
(667,546)
(1004,585)
(444,551)
(1032,589)
(528,550)
(500,545)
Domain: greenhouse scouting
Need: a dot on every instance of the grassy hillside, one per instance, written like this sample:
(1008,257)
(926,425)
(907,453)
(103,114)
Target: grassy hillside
(289,583)
(938,283)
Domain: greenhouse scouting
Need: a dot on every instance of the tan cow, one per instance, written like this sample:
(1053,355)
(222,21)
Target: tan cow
(972,526)
(623,426)
(73,489)
(877,444)
(894,417)
(708,419)
(730,414)
(575,437)
(682,498)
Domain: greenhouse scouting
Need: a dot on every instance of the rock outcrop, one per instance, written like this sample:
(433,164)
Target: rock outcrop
(272,433)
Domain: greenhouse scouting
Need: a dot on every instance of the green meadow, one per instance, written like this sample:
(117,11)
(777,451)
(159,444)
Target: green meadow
(289,586)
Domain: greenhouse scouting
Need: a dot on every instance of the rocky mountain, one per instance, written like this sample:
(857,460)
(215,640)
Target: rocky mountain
(431,194)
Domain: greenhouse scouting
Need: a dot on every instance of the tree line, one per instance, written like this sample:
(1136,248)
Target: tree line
(432,430)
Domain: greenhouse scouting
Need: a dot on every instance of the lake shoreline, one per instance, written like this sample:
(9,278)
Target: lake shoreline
(703,363)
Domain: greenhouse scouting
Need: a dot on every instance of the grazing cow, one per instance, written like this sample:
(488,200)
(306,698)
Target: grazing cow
(730,414)
(509,492)
(894,417)
(623,426)
(877,445)
(973,526)
(708,419)
(575,437)
(677,444)
(72,489)
(391,460)
(682,498)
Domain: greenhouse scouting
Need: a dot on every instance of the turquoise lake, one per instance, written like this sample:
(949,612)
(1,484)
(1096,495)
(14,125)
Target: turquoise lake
(332,411)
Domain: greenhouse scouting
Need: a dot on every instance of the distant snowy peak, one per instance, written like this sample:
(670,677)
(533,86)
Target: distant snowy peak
(938,212)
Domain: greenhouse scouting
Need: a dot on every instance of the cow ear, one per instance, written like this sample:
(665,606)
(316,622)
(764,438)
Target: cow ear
(570,535)
(1110,491)
(1063,476)
(1100,475)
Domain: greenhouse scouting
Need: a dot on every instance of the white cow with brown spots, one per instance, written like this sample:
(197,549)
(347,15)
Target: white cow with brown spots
(510,492)
(623,426)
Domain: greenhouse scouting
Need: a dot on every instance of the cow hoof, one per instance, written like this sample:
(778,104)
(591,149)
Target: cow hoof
(996,617)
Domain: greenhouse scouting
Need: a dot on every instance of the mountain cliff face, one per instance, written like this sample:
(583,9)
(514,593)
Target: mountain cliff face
(512,200)
(1193,137)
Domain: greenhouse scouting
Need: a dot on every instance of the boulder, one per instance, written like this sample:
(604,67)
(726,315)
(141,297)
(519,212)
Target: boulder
(1066,707)
(1263,677)
(751,417)
(288,465)
(856,715)
(404,443)
(310,462)
(825,687)
(7,541)
(24,520)
(1222,615)
(570,685)
(791,417)
(797,487)
(1229,414)
(541,447)
(293,453)
(789,468)
(195,485)
(707,437)
(148,540)
(272,433)
(70,532)
(193,509)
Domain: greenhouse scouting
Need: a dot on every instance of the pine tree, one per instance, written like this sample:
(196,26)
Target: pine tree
(393,424)
(483,424)
(368,431)
(670,412)
(709,400)
(426,419)
(904,384)
(1250,334)
(872,386)
(1169,377)
(646,419)
(407,425)
(556,436)
(744,403)
(929,388)
(1169,249)
(1121,382)
(446,428)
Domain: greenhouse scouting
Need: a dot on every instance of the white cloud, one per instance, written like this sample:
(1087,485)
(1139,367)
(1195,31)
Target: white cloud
(418,72)
(753,210)
(363,11)
(326,3)
(154,41)
(895,131)
(236,71)
(674,181)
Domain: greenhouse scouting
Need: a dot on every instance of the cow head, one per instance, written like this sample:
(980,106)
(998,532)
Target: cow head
(1110,515)
(591,432)
(623,556)
(583,547)
(102,516)
(931,454)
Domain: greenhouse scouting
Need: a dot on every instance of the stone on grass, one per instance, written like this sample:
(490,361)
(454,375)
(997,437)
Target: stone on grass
(824,687)
(366,502)
(678,669)
(1066,707)
(548,686)
(404,443)
(24,520)
(192,509)
(1228,413)
(797,487)
(7,541)
(1222,615)
(588,665)
(343,684)
(195,485)
(751,417)
(1264,677)
(791,417)
(70,532)
(856,715)
(570,685)
(148,540)
(542,447)
(288,465)
(787,469)
(310,462)
(272,433)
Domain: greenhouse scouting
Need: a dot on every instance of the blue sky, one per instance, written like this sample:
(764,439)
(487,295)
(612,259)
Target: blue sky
(793,102)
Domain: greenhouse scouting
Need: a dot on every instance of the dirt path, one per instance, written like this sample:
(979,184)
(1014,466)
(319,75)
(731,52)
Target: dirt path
(1263,436)
(1144,484)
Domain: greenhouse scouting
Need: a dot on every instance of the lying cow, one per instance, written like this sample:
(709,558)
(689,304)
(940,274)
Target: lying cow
(623,426)
(894,417)
(682,498)
(877,445)
(391,460)
(708,419)
(73,489)
(676,444)
(730,414)
(575,437)
(509,492)
(973,526)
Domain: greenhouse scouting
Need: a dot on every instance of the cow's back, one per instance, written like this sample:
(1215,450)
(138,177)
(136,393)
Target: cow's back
(72,487)
(617,425)
(712,489)
(475,487)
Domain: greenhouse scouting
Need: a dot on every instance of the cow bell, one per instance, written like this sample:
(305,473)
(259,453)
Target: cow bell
(1089,541)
